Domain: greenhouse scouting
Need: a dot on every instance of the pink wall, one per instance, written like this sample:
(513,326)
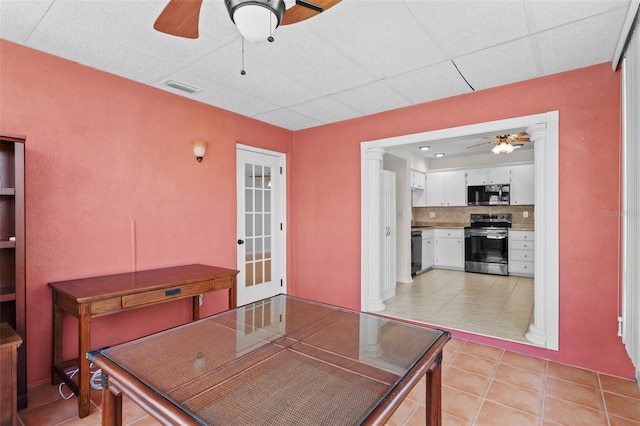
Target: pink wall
(102,152)
(327,208)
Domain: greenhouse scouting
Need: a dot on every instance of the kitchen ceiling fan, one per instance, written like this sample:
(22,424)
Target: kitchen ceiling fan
(503,142)
(255,19)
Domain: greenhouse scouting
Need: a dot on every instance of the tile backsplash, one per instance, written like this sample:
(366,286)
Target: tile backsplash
(457,215)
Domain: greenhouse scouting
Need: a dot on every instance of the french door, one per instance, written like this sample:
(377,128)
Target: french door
(261,224)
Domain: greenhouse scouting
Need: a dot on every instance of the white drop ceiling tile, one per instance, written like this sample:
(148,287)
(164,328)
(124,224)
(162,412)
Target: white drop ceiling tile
(385,38)
(76,44)
(19,18)
(499,65)
(303,57)
(259,81)
(287,119)
(325,110)
(430,83)
(130,23)
(461,27)
(213,93)
(549,14)
(371,98)
(584,43)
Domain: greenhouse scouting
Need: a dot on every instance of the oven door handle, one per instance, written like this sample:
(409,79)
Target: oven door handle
(496,237)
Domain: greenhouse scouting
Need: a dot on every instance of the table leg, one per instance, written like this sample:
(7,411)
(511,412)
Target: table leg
(84,346)
(433,402)
(195,311)
(57,341)
(111,403)
(233,291)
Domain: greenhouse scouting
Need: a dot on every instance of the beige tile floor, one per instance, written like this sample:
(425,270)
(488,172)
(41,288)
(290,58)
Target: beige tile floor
(492,305)
(481,385)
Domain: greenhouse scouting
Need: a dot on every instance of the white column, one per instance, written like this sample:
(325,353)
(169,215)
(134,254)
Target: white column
(537,331)
(374,165)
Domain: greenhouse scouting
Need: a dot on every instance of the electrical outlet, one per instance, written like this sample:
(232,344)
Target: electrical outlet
(200,299)
(525,214)
(432,214)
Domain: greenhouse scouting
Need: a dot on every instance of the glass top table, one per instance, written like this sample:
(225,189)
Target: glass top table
(282,360)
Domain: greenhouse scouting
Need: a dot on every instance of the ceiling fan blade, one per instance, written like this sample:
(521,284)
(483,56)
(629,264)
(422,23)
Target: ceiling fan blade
(478,144)
(304,9)
(523,139)
(180,18)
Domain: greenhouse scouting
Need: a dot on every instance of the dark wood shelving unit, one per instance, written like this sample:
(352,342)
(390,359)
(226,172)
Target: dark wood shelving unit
(12,251)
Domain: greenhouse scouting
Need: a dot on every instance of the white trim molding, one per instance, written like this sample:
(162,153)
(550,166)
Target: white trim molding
(629,317)
(543,129)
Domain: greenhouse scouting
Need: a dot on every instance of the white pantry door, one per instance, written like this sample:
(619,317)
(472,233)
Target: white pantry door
(261,224)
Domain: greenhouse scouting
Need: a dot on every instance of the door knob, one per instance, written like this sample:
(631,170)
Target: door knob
(240,241)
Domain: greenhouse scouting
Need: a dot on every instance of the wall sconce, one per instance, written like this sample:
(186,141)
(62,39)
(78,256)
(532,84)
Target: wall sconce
(199,148)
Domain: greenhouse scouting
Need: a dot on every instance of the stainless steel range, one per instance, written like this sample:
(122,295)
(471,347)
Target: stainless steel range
(486,244)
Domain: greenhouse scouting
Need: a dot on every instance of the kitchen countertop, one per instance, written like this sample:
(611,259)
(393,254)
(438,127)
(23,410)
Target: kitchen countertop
(522,227)
(458,225)
(439,225)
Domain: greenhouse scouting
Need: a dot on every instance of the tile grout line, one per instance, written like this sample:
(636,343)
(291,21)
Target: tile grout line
(544,390)
(486,393)
(604,401)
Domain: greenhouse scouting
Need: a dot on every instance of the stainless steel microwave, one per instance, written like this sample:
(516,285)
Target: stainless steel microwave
(488,195)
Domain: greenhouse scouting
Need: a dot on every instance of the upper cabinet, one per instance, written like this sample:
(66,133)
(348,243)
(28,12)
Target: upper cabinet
(498,175)
(446,189)
(417,180)
(449,188)
(418,196)
(523,184)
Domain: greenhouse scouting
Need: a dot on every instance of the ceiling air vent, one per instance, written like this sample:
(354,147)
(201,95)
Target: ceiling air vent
(182,86)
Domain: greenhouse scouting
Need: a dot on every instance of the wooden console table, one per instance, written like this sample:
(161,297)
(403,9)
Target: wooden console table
(88,298)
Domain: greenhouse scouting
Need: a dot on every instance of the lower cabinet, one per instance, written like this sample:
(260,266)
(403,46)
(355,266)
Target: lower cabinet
(449,249)
(428,249)
(521,253)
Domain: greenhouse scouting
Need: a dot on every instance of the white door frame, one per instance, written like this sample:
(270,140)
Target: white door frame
(543,129)
(279,246)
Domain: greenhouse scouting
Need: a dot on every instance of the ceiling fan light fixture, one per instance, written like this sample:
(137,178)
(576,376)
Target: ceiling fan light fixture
(256,19)
(502,147)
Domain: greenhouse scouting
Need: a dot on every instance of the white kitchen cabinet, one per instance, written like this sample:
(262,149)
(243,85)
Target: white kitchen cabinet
(449,249)
(434,189)
(523,184)
(446,189)
(428,249)
(418,193)
(417,180)
(496,175)
(521,253)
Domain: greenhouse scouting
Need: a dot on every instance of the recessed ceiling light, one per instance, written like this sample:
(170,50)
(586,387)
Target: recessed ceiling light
(439,154)
(518,145)
(424,148)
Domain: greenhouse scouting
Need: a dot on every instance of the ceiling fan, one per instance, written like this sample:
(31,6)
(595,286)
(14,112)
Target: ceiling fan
(255,19)
(503,142)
